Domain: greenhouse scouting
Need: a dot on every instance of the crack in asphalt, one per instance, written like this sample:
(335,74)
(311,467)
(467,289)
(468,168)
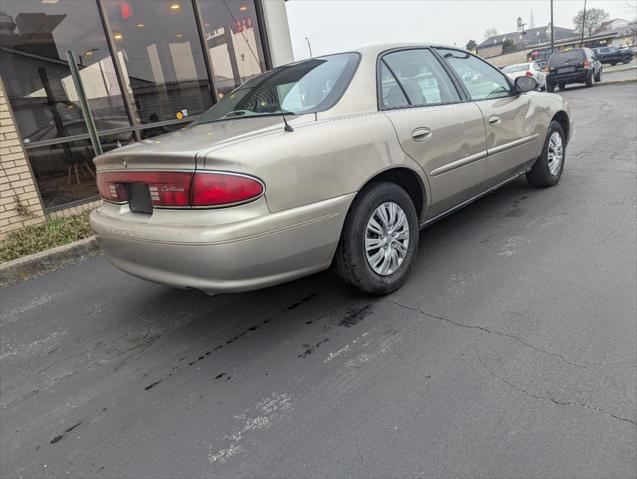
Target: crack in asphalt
(489,331)
(614,228)
(558,402)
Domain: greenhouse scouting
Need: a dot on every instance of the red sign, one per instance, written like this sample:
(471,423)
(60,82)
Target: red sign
(126,10)
(242,25)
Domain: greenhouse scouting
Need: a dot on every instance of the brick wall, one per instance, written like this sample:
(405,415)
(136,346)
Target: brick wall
(19,201)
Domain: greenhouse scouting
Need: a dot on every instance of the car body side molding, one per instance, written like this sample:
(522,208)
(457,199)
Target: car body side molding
(458,163)
(513,144)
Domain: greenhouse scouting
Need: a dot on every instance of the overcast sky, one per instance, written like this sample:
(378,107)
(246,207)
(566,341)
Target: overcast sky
(336,25)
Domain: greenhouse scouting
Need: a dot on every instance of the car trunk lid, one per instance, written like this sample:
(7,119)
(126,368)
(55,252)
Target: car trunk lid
(179,150)
(164,171)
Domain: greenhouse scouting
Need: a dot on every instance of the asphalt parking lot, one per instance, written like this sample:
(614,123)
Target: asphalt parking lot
(510,352)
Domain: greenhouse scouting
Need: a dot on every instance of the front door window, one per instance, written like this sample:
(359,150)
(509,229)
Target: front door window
(481,80)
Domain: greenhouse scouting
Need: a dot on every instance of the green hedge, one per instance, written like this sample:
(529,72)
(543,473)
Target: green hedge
(36,238)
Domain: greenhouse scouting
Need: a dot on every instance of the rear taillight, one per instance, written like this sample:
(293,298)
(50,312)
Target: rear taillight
(218,189)
(586,64)
(529,74)
(547,69)
(111,190)
(181,189)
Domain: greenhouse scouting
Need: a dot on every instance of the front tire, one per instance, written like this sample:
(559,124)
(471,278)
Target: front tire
(379,240)
(547,169)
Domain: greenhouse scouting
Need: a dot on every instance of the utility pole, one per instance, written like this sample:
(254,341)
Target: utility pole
(583,22)
(552,36)
(309,46)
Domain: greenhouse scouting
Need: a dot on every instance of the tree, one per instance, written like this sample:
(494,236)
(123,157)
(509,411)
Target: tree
(471,45)
(490,32)
(592,22)
(508,45)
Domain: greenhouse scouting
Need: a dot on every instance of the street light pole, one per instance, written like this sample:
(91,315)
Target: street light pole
(583,22)
(309,46)
(552,36)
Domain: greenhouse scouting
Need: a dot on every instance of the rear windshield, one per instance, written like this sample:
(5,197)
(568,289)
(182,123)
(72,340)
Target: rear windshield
(571,56)
(516,68)
(305,87)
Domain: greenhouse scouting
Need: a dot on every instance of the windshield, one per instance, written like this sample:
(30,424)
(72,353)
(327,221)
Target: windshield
(305,87)
(516,68)
(570,56)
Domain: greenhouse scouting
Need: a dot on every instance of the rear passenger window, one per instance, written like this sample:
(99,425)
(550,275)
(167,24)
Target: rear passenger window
(414,78)
(392,95)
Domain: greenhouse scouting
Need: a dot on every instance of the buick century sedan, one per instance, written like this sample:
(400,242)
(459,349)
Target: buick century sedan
(336,161)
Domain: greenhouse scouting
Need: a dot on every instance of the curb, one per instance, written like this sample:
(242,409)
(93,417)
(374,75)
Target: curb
(620,69)
(39,263)
(616,82)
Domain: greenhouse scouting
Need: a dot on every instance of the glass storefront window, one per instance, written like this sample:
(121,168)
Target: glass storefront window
(34,38)
(233,40)
(161,55)
(65,172)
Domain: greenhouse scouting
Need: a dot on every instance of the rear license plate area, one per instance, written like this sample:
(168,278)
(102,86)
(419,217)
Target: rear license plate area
(139,198)
(567,70)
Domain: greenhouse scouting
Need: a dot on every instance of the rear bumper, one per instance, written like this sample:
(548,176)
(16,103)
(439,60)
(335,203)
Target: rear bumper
(576,77)
(218,251)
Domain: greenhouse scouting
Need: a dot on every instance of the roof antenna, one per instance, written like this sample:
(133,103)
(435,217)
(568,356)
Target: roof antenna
(287,126)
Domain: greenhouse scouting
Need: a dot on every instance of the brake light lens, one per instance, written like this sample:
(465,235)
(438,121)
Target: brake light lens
(111,190)
(218,189)
(587,64)
(181,189)
(529,74)
(547,69)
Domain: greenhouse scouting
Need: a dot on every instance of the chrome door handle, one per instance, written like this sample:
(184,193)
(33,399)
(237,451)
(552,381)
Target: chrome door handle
(421,134)
(494,120)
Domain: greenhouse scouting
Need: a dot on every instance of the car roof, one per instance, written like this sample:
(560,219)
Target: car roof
(374,50)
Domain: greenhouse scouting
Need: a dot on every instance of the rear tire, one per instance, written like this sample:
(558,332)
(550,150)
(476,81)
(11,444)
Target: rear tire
(598,77)
(589,80)
(356,251)
(545,172)
(550,87)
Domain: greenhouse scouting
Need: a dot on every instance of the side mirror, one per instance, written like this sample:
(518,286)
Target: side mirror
(524,84)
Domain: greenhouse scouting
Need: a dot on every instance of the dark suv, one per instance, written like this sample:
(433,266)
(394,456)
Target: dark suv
(614,55)
(579,65)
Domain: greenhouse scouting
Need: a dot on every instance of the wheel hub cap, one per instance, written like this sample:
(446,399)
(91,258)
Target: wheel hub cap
(386,238)
(555,153)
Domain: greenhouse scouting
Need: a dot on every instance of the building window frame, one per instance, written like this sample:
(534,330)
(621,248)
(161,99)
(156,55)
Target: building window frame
(136,127)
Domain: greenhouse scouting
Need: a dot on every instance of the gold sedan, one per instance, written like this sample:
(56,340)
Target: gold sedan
(333,161)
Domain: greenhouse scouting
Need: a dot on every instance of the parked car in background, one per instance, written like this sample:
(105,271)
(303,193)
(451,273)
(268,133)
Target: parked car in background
(578,65)
(531,69)
(335,161)
(613,55)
